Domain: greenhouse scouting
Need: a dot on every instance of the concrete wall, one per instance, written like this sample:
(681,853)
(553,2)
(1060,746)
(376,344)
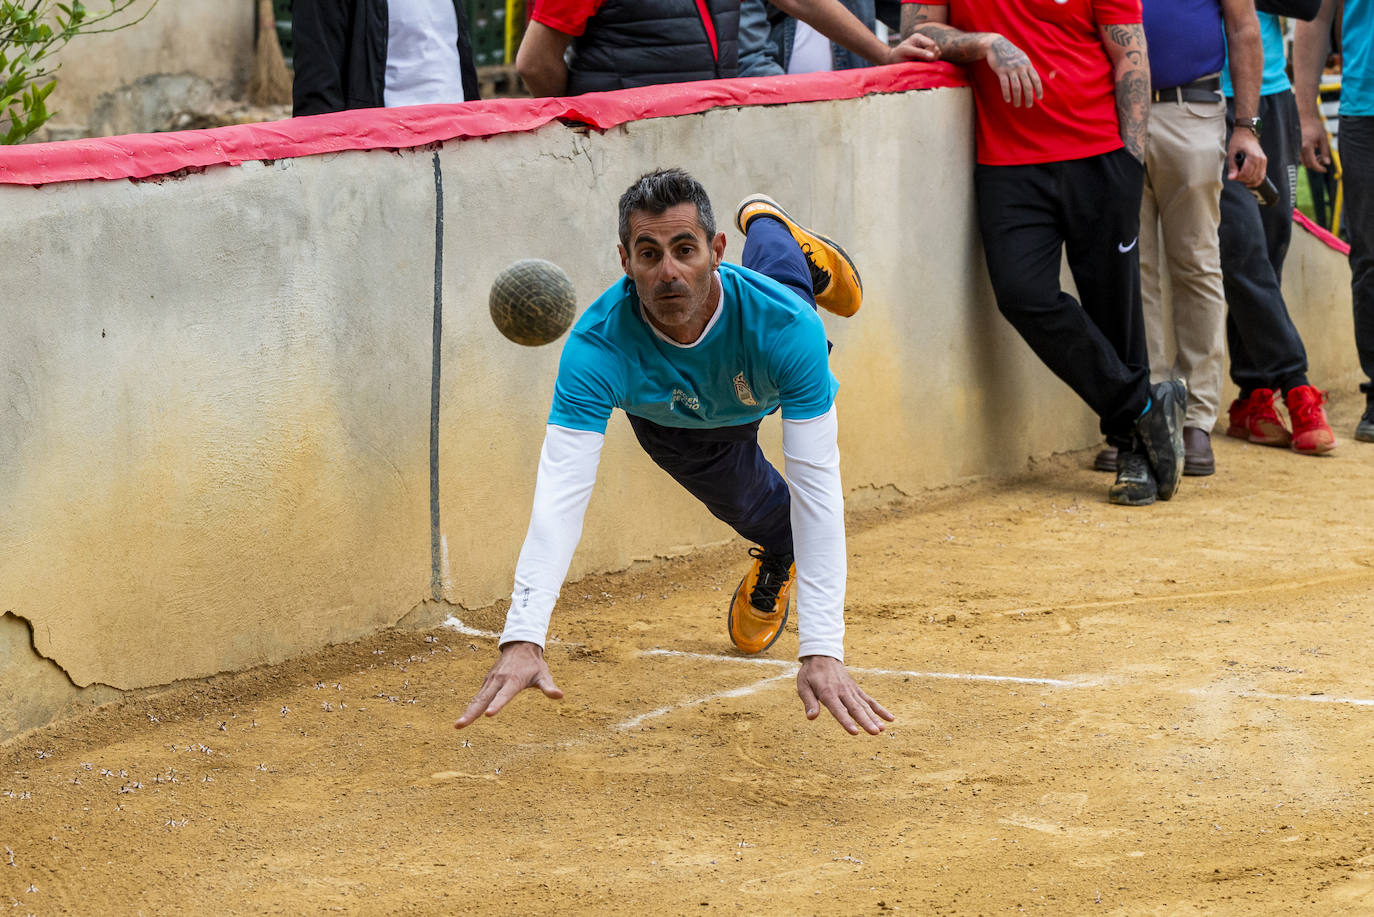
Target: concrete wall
(215,392)
(184,57)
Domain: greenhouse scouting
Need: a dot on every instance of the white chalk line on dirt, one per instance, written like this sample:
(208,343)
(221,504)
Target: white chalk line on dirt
(745,691)
(1163,599)
(1306,698)
(891,673)
(1093,681)
(453,623)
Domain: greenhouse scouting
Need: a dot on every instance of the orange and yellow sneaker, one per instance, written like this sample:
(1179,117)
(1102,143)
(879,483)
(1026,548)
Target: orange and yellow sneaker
(1311,433)
(834,279)
(759,607)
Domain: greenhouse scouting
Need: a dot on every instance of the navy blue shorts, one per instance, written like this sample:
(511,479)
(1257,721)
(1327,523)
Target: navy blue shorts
(724,467)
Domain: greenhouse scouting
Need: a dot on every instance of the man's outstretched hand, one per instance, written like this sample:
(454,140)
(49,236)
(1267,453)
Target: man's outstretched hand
(521,666)
(823,680)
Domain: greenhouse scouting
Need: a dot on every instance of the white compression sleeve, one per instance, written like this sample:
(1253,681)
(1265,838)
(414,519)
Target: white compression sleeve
(811,453)
(567,471)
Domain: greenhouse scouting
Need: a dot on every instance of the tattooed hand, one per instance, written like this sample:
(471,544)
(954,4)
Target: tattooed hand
(1020,82)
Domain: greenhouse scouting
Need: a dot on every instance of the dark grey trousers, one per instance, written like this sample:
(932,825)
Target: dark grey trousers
(1356,139)
(1266,349)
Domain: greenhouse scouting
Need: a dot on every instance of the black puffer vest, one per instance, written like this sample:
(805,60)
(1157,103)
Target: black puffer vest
(646,42)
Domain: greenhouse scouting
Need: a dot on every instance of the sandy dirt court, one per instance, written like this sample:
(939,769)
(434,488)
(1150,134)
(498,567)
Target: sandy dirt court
(1100,710)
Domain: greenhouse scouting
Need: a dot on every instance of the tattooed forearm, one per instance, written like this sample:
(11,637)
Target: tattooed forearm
(1127,36)
(1005,54)
(956,46)
(1133,109)
(1125,45)
(913,16)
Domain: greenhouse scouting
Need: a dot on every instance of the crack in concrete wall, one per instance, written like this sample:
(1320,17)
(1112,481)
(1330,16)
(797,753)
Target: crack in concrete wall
(33,645)
(35,689)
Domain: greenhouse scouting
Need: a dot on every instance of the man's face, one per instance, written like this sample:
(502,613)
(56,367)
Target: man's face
(672,262)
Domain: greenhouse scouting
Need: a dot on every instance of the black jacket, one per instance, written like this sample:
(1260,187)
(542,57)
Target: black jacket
(646,42)
(340,56)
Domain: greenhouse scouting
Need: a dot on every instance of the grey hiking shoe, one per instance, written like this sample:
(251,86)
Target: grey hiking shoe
(1135,482)
(1364,431)
(1160,431)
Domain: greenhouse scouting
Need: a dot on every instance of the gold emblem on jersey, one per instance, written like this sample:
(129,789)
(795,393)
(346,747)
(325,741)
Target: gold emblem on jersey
(743,392)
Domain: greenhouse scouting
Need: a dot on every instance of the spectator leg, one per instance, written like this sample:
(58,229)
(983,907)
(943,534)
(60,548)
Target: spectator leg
(1097,349)
(1266,349)
(1184,160)
(1282,142)
(1357,167)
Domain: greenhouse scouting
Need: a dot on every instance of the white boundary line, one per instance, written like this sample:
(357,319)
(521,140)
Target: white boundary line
(634,721)
(1307,698)
(957,676)
(453,623)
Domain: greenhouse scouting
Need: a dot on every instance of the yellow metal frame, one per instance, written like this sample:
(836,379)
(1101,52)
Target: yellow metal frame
(1338,202)
(515,27)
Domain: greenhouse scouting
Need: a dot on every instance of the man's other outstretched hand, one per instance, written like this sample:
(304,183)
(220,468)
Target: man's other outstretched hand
(521,666)
(823,680)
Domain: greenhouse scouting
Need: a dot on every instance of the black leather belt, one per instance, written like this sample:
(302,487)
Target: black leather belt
(1207,89)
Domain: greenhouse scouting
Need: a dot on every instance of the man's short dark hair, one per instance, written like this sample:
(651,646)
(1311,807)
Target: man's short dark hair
(663,188)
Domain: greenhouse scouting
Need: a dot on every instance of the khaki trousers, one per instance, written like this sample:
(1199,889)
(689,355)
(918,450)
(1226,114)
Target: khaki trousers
(1179,215)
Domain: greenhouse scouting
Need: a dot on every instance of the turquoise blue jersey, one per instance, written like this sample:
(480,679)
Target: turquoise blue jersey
(1357,58)
(766,349)
(1275,61)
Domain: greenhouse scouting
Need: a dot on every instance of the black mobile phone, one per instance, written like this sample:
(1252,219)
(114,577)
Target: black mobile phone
(1266,192)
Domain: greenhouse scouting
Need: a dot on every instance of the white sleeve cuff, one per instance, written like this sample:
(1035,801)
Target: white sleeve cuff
(567,472)
(811,455)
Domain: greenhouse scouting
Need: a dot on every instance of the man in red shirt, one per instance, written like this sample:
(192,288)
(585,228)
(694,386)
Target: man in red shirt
(1062,89)
(576,46)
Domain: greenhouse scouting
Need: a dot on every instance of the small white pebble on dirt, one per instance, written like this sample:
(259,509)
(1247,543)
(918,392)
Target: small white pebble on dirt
(285,710)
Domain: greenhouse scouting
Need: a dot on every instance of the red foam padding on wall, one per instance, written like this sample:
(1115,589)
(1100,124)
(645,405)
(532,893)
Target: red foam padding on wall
(1335,242)
(146,155)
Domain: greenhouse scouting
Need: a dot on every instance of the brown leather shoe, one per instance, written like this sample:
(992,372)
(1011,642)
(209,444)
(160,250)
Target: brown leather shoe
(1106,459)
(1198,460)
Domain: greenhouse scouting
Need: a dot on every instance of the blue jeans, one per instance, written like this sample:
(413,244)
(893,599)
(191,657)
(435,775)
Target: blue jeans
(724,467)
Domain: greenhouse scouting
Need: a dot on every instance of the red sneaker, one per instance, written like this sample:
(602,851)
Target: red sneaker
(1239,414)
(1263,422)
(1311,433)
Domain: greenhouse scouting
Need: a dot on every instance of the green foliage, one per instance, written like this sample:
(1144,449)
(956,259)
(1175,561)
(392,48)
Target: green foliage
(31,31)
